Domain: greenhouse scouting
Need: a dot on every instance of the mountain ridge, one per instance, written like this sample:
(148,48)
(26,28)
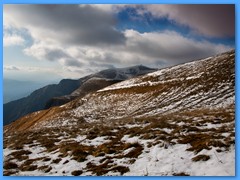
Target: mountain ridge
(24,88)
(149,84)
(61,93)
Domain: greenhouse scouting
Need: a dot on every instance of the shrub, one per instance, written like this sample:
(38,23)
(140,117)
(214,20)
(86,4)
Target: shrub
(77,173)
(28,168)
(121,169)
(10,165)
(201,157)
(45,168)
(56,160)
(181,174)
(20,155)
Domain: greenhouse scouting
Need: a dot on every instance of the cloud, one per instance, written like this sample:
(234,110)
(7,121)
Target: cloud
(216,20)
(170,46)
(83,38)
(67,24)
(44,51)
(11,68)
(212,20)
(71,62)
(31,73)
(52,52)
(12,40)
(152,48)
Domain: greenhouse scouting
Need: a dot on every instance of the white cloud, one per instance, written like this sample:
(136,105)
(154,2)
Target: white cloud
(12,40)
(43,50)
(170,46)
(32,73)
(11,68)
(167,47)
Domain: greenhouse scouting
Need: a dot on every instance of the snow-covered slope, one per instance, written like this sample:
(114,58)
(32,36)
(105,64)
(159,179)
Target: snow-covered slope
(208,83)
(175,121)
(67,90)
(100,80)
(124,73)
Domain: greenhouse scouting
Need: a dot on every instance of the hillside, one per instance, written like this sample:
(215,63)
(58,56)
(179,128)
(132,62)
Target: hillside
(37,100)
(175,121)
(24,88)
(98,81)
(67,90)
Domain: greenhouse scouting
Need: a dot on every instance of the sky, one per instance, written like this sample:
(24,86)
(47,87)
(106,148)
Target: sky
(52,42)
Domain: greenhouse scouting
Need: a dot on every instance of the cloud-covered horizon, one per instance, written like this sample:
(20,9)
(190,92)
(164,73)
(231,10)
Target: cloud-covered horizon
(88,38)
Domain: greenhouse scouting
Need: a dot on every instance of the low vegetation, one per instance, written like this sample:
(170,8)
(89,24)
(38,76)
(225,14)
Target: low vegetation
(163,131)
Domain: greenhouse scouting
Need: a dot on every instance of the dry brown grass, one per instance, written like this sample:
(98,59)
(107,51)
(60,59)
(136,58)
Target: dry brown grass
(135,152)
(192,132)
(10,165)
(181,174)
(120,169)
(197,141)
(31,161)
(45,168)
(56,161)
(77,151)
(20,155)
(8,173)
(100,169)
(77,173)
(106,167)
(28,167)
(201,157)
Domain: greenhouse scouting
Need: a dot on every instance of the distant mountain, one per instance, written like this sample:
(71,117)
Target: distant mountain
(37,100)
(90,85)
(177,121)
(67,90)
(100,80)
(15,89)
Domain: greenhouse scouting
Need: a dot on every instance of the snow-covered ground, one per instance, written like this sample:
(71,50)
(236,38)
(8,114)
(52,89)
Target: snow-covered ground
(154,161)
(141,149)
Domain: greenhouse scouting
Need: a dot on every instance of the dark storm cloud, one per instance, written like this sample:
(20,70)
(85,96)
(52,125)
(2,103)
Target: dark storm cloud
(101,65)
(72,24)
(58,54)
(211,20)
(54,55)
(72,62)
